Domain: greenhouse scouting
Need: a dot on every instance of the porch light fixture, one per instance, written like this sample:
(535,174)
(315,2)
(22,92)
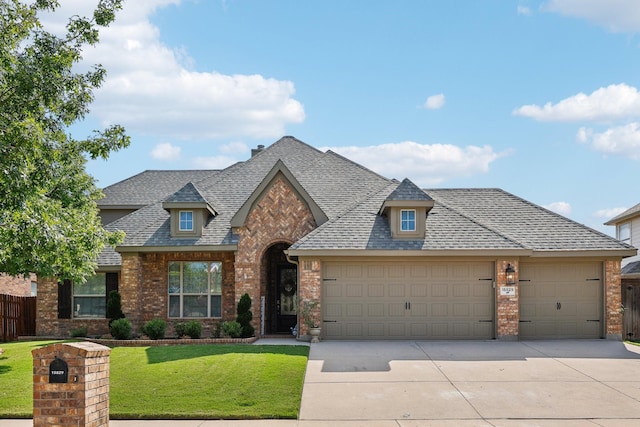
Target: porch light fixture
(510,273)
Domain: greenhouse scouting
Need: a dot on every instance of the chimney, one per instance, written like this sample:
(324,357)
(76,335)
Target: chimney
(255,151)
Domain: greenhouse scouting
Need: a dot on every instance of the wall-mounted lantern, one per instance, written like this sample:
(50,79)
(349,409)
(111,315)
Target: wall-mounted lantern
(510,273)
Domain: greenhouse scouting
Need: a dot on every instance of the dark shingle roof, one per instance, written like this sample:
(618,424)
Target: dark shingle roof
(351,197)
(150,186)
(407,190)
(631,268)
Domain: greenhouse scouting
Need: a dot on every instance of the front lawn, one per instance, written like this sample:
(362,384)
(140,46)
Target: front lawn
(182,381)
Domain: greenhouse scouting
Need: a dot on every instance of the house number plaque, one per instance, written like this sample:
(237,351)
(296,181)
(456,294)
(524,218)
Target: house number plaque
(58,371)
(508,290)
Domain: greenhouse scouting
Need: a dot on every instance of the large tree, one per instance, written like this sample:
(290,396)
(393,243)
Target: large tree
(49,223)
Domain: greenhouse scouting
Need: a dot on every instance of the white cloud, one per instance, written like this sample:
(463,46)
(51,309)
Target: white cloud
(165,151)
(609,213)
(434,102)
(623,140)
(234,148)
(562,208)
(152,89)
(607,103)
(426,164)
(615,15)
(214,162)
(524,10)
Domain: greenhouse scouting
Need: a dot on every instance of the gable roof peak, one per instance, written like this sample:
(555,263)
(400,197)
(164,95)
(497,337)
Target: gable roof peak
(189,196)
(407,190)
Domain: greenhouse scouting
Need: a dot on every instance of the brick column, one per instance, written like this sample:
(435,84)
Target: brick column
(130,287)
(81,395)
(613,300)
(507,305)
(310,288)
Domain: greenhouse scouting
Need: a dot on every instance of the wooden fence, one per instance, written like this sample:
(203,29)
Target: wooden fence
(17,316)
(631,304)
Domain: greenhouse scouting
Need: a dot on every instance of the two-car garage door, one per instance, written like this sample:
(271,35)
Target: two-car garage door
(408,300)
(456,300)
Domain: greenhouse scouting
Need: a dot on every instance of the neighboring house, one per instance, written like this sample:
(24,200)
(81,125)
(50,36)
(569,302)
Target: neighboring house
(19,286)
(384,259)
(628,231)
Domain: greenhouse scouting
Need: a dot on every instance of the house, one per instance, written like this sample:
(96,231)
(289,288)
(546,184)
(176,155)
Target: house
(628,231)
(383,258)
(18,285)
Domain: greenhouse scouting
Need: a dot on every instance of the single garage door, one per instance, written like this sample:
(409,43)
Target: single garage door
(408,300)
(560,300)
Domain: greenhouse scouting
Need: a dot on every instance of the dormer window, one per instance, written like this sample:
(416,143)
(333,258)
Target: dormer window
(190,212)
(186,220)
(408,220)
(406,209)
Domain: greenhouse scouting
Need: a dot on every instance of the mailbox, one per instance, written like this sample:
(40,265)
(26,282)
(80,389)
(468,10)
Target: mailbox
(58,371)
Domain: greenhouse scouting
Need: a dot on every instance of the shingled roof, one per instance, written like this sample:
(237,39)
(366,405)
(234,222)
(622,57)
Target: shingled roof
(473,221)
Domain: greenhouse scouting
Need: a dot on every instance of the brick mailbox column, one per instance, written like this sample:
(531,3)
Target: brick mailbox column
(71,385)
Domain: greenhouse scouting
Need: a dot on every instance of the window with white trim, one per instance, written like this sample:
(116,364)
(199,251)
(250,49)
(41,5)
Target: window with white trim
(89,297)
(186,221)
(624,232)
(195,289)
(408,220)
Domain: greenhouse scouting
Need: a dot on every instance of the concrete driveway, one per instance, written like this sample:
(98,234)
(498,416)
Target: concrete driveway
(486,383)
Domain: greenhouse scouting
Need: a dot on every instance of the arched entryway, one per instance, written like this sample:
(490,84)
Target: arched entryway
(280,290)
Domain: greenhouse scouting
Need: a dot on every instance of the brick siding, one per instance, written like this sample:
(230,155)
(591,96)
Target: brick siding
(18,286)
(278,216)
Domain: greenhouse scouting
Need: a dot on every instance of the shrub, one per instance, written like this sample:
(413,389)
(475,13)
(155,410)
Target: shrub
(179,328)
(155,329)
(193,329)
(114,307)
(79,332)
(121,329)
(244,316)
(232,329)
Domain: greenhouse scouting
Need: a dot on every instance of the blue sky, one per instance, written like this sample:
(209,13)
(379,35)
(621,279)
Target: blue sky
(539,98)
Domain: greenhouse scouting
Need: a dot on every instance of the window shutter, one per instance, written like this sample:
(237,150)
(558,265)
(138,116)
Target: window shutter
(64,299)
(112,283)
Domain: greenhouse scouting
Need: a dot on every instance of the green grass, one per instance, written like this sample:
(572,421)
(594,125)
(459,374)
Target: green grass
(182,381)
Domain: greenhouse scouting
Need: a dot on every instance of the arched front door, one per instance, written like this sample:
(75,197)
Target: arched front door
(281,293)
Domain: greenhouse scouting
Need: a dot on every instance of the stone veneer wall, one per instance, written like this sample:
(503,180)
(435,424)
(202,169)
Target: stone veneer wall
(310,273)
(507,306)
(613,299)
(278,216)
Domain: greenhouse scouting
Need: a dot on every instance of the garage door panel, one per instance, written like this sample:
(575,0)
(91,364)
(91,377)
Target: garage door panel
(439,310)
(418,290)
(354,310)
(418,310)
(354,271)
(333,290)
(397,309)
(375,271)
(397,330)
(376,310)
(439,290)
(561,300)
(375,330)
(354,290)
(375,291)
(397,290)
(418,300)
(461,290)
